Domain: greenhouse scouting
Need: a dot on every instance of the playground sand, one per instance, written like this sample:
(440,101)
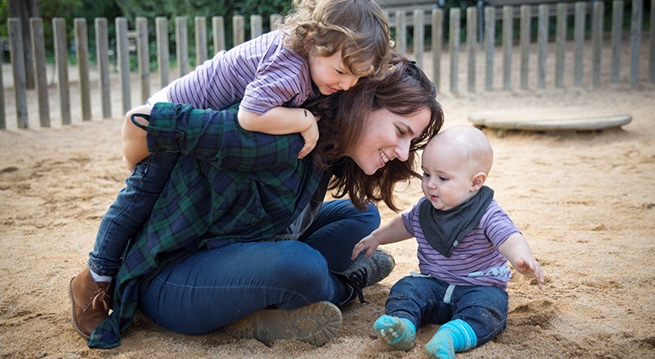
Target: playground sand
(584,201)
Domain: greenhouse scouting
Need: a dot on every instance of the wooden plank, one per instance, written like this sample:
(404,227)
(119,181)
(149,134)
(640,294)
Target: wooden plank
(18,67)
(163,62)
(123,62)
(102,51)
(61,60)
(82,52)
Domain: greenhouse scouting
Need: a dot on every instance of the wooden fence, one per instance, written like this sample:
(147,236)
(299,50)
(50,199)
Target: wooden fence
(478,43)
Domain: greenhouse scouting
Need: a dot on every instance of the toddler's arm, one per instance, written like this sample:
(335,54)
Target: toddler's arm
(135,145)
(282,121)
(518,253)
(393,232)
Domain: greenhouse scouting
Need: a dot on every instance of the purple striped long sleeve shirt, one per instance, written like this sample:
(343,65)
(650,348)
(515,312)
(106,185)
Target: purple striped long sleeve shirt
(261,73)
(475,260)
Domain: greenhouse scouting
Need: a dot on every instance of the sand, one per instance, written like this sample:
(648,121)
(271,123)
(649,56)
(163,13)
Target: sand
(584,201)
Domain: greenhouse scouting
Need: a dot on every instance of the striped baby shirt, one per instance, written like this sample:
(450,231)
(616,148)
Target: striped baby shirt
(475,260)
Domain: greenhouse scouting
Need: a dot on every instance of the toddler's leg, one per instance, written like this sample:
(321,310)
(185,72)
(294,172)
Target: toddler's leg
(454,336)
(399,333)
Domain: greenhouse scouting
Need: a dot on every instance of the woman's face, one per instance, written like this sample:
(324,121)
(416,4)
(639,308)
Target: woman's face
(387,136)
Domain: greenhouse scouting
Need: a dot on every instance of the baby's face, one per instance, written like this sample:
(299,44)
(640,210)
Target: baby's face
(331,75)
(447,179)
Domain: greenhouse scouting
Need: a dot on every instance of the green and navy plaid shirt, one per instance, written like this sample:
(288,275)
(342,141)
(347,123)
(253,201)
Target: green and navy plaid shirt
(228,185)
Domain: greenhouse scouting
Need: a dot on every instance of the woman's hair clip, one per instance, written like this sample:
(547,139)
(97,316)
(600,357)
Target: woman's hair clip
(412,62)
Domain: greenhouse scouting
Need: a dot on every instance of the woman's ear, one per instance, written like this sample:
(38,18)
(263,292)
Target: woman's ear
(478,180)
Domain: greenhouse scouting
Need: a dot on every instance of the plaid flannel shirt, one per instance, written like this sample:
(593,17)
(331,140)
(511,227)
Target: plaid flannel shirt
(228,185)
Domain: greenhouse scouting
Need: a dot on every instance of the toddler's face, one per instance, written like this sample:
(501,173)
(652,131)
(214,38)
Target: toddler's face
(330,74)
(447,179)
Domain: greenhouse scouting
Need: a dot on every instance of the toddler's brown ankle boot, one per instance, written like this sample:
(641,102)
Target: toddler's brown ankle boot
(89,302)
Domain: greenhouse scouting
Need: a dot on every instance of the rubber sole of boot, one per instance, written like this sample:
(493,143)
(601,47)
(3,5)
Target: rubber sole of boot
(316,324)
(77,328)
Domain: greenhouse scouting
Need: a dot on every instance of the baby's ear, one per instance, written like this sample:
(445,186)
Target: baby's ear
(478,180)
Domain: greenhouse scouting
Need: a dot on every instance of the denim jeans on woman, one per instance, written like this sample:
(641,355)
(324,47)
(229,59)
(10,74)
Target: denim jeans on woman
(215,287)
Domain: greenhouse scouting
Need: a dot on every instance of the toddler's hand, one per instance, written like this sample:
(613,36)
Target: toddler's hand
(310,135)
(368,244)
(530,268)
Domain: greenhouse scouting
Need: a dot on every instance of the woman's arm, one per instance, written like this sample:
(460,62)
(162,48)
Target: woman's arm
(216,137)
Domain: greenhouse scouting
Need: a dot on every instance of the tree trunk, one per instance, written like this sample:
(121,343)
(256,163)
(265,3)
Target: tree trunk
(24,10)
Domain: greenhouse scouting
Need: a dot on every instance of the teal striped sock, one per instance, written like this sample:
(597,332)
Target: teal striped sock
(454,336)
(398,333)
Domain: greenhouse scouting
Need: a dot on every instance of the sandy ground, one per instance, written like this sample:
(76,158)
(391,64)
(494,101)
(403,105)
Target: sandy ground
(585,202)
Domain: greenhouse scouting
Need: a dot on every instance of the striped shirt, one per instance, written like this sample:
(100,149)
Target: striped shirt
(475,260)
(261,73)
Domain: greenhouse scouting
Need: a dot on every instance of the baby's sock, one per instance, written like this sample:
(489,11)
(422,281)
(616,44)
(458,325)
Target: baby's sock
(98,277)
(454,336)
(399,333)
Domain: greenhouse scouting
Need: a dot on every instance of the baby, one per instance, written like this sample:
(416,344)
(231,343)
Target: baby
(464,242)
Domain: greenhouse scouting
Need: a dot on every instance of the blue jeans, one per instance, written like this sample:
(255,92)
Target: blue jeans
(429,300)
(132,208)
(215,287)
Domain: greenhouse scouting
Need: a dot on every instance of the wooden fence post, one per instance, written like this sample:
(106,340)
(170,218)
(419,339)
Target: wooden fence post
(82,52)
(437,45)
(489,37)
(419,37)
(61,56)
(256,26)
(525,45)
(143,56)
(560,47)
(471,44)
(651,55)
(597,40)
(201,39)
(542,40)
(580,10)
(218,27)
(161,25)
(18,66)
(182,47)
(122,55)
(276,21)
(617,32)
(102,52)
(508,15)
(238,30)
(3,112)
(454,48)
(401,33)
(635,39)
(40,74)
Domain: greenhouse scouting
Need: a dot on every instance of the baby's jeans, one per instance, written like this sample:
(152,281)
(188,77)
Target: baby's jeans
(131,210)
(424,299)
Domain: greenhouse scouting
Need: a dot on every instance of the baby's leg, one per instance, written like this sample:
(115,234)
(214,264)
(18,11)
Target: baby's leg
(481,313)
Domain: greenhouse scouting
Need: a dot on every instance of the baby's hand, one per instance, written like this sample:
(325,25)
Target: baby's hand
(530,268)
(368,244)
(310,135)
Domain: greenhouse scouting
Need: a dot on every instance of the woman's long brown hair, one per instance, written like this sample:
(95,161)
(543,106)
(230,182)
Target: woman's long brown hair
(404,90)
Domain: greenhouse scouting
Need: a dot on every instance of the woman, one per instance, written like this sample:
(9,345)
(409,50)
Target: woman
(215,251)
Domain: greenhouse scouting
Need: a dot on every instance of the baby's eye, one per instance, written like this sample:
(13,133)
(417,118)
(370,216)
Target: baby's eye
(400,131)
(427,175)
(442,178)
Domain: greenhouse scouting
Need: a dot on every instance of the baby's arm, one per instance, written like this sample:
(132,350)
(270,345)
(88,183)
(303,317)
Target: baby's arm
(282,121)
(393,232)
(135,145)
(517,251)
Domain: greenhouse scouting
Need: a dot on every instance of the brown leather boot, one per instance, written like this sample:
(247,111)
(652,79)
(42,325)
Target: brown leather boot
(89,302)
